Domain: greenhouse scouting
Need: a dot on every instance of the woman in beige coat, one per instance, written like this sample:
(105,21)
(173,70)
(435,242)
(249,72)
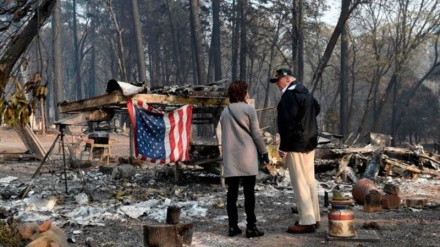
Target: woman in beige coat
(242,145)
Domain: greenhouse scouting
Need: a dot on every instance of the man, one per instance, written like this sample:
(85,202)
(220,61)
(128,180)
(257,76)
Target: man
(298,129)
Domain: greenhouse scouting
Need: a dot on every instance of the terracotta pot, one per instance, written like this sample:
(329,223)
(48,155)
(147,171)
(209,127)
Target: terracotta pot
(361,189)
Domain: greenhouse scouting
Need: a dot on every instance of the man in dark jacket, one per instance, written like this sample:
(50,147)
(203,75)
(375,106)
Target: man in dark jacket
(298,129)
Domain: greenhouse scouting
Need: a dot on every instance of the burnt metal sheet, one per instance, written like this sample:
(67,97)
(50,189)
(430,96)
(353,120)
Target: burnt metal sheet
(178,100)
(113,100)
(88,116)
(117,101)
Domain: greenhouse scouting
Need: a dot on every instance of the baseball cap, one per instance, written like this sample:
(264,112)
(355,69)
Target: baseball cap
(280,73)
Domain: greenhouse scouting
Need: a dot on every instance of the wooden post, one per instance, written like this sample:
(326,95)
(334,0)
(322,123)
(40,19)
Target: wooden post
(168,235)
(173,215)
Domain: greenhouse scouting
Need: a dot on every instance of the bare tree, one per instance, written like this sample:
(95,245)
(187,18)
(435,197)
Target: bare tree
(347,8)
(120,48)
(16,47)
(382,56)
(413,25)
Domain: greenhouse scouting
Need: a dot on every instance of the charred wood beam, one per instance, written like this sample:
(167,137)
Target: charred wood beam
(364,150)
(410,168)
(406,154)
(323,165)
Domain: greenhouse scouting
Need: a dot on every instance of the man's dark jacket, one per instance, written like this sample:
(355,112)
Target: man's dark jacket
(297,125)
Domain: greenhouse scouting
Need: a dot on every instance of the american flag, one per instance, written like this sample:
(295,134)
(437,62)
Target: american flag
(160,137)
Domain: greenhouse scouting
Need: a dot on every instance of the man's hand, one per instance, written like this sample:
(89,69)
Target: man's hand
(282,154)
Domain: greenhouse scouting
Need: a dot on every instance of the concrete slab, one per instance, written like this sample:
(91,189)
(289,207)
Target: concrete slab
(360,236)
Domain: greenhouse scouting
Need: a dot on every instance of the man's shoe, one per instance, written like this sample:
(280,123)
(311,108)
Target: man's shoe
(316,224)
(301,229)
(234,230)
(253,232)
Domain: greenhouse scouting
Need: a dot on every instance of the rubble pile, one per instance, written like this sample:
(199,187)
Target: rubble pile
(144,192)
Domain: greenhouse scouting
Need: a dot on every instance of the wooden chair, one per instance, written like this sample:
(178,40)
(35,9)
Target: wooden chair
(106,152)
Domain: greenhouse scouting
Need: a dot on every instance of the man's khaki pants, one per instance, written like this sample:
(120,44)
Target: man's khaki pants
(302,176)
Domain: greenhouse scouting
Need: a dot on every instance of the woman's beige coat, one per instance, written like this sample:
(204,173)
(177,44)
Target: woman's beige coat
(241,148)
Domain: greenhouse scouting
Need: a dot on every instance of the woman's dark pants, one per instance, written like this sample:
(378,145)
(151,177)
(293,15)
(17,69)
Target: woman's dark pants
(249,199)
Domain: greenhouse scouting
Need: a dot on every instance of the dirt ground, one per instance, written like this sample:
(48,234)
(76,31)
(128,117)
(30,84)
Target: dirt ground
(401,227)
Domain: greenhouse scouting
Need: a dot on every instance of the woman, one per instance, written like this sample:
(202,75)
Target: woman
(242,144)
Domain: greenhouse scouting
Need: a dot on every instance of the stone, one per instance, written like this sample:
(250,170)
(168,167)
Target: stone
(416,202)
(123,172)
(391,189)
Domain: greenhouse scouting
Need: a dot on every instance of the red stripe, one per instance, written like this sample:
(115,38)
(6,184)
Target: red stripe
(171,136)
(140,104)
(181,113)
(188,130)
(340,217)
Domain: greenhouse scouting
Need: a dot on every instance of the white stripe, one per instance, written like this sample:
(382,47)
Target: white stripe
(167,140)
(184,133)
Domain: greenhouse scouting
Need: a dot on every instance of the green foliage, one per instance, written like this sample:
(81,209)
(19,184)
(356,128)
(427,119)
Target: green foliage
(16,109)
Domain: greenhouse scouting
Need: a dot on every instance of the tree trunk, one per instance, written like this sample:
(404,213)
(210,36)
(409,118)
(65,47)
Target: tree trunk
(198,47)
(294,23)
(243,39)
(76,65)
(176,43)
(91,89)
(343,83)
(299,63)
(216,47)
(235,40)
(153,45)
(139,44)
(57,60)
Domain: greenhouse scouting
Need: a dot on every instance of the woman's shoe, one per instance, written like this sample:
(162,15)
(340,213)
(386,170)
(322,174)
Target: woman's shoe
(234,230)
(253,232)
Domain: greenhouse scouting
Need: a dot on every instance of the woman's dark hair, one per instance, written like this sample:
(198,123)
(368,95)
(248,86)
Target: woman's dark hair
(237,91)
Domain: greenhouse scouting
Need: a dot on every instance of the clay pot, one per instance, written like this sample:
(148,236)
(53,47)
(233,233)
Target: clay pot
(361,189)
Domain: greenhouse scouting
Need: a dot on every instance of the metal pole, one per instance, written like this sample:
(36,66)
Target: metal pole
(64,154)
